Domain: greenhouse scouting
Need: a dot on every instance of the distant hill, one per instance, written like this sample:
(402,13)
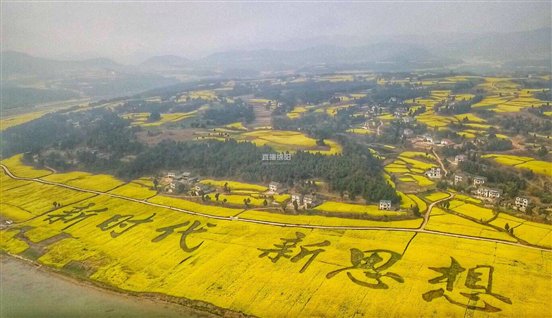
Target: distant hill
(323,54)
(21,63)
(63,80)
(164,62)
(440,49)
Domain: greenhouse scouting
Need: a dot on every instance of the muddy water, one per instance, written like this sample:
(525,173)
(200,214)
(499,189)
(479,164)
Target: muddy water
(27,291)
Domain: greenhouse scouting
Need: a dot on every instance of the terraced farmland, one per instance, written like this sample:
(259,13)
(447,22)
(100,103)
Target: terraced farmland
(537,166)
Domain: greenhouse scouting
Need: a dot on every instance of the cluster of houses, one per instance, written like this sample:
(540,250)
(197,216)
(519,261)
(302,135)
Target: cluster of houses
(174,180)
(478,182)
(520,203)
(430,140)
(305,201)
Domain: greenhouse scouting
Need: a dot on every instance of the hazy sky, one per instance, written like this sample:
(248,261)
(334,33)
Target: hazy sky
(131,30)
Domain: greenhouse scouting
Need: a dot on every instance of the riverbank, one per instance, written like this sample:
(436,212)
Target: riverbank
(30,290)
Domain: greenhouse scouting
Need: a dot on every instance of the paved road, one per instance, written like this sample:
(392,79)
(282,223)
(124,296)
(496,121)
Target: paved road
(420,229)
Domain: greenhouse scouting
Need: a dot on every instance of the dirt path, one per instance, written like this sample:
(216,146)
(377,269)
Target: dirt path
(428,212)
(440,162)
(378,130)
(420,229)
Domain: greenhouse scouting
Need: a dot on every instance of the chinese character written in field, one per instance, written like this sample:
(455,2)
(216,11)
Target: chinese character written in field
(75,215)
(124,222)
(285,250)
(183,238)
(373,263)
(473,279)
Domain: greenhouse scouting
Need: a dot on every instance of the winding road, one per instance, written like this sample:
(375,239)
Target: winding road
(420,229)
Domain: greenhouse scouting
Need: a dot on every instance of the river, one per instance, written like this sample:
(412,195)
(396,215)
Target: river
(29,291)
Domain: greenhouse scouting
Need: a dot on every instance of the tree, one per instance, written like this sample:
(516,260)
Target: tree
(154,116)
(217,196)
(265,203)
(542,151)
(295,205)
(416,211)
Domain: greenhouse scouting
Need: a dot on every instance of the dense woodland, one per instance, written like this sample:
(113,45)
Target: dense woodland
(100,141)
(356,171)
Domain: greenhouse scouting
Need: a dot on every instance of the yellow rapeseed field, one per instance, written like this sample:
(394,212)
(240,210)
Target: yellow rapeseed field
(445,222)
(18,168)
(142,119)
(234,185)
(537,166)
(341,207)
(12,121)
(226,263)
(289,141)
(240,265)
(98,182)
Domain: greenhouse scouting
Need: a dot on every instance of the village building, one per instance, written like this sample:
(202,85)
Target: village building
(385,205)
(201,189)
(408,132)
(297,197)
(460,178)
(522,203)
(433,173)
(460,158)
(310,201)
(276,187)
(171,174)
(185,175)
(478,180)
(488,193)
(447,142)
(427,138)
(306,201)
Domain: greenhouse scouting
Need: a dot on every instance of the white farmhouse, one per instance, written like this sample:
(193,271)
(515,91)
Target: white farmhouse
(274,186)
(522,203)
(385,205)
(477,181)
(434,173)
